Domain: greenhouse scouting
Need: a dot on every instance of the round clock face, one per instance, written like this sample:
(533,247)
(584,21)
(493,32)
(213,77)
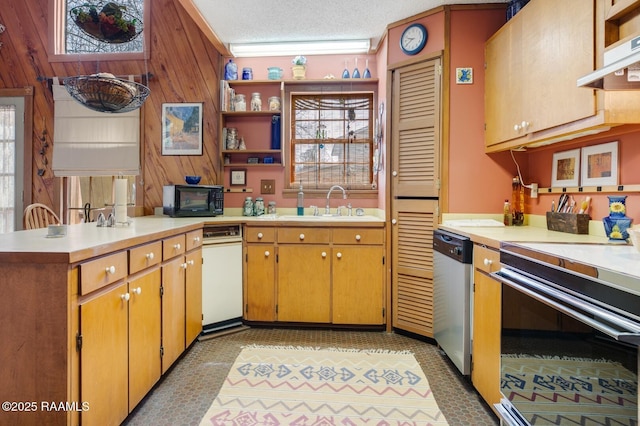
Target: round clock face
(413,39)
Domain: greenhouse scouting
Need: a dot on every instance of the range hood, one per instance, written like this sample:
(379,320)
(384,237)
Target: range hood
(621,70)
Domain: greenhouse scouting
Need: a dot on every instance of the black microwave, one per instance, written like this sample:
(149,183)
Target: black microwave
(192,200)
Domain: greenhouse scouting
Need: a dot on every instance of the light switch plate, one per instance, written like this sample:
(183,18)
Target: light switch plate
(267,186)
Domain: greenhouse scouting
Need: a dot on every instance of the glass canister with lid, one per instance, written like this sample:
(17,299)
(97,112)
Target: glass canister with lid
(256,102)
(258,207)
(274,103)
(271,209)
(247,209)
(240,102)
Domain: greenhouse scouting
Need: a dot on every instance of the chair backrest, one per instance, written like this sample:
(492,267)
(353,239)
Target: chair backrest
(39,216)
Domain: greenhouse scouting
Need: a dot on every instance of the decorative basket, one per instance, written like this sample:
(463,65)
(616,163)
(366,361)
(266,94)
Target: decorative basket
(106,94)
(111,25)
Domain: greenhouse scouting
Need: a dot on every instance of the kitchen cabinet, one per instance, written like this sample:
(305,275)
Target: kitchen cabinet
(259,273)
(254,127)
(532,65)
(193,286)
(304,275)
(314,274)
(358,275)
(173,300)
(485,346)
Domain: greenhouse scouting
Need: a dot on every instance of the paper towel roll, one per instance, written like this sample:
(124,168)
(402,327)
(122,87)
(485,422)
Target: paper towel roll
(121,200)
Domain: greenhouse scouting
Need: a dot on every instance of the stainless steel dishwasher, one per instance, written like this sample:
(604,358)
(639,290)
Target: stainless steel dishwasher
(452,301)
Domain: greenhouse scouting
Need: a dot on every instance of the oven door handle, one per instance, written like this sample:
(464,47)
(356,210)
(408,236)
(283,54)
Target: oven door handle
(537,290)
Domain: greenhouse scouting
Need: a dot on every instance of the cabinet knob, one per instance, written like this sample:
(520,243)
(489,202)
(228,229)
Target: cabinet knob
(394,173)
(260,235)
(266,253)
(177,246)
(184,265)
(324,254)
(358,237)
(110,269)
(301,236)
(516,127)
(196,239)
(393,221)
(137,291)
(150,256)
(191,262)
(339,255)
(125,297)
(524,124)
(487,262)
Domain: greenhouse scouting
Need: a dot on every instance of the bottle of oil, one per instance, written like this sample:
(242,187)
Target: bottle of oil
(517,201)
(508,218)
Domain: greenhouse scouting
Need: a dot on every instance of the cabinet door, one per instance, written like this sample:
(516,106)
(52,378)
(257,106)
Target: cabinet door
(358,284)
(104,357)
(260,283)
(144,335)
(173,311)
(485,366)
(304,283)
(193,296)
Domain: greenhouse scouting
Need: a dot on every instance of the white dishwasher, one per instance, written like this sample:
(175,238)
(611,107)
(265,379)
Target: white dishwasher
(221,277)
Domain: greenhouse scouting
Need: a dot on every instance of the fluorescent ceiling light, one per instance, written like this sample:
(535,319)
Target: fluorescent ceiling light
(334,47)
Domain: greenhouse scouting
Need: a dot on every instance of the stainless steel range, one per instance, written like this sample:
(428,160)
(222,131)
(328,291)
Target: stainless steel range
(570,334)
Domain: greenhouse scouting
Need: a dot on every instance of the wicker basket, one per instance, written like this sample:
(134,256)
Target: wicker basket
(106,94)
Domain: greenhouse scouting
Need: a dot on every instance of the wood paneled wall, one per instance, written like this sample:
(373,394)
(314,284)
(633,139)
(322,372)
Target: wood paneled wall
(185,68)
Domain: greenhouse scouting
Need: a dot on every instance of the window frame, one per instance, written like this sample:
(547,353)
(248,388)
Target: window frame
(291,187)
(56,40)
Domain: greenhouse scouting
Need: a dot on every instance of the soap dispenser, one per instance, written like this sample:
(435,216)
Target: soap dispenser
(300,202)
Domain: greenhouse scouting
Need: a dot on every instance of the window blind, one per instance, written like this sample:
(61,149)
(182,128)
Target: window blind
(91,143)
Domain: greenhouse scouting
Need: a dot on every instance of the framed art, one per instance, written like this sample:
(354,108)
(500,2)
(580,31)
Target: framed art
(238,177)
(464,75)
(565,169)
(600,164)
(182,129)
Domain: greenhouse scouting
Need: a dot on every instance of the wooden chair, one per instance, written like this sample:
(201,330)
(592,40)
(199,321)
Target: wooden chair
(39,216)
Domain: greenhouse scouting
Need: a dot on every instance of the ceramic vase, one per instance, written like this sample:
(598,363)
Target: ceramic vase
(617,223)
(299,72)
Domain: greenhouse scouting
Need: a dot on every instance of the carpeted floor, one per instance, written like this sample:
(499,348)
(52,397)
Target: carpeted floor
(286,385)
(187,391)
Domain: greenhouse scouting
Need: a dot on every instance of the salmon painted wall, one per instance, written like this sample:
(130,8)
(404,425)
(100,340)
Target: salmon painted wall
(318,67)
(478,183)
(540,168)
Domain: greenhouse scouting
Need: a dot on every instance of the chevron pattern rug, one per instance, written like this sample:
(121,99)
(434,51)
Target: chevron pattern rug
(322,387)
(552,391)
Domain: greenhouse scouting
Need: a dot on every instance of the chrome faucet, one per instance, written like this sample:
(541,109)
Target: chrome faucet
(327,209)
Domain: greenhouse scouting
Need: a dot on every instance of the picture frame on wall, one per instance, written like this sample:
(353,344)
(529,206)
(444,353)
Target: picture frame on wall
(600,165)
(182,129)
(565,169)
(238,177)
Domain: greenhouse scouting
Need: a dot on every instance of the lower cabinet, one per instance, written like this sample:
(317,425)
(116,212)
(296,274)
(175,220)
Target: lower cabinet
(173,311)
(193,296)
(314,275)
(485,365)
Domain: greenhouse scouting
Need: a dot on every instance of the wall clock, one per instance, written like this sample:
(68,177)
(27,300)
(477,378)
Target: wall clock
(413,39)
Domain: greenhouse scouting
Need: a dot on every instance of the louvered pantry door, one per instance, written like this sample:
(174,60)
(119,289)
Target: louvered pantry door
(416,130)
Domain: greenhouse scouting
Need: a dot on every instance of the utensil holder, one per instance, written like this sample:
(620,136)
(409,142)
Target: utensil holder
(572,223)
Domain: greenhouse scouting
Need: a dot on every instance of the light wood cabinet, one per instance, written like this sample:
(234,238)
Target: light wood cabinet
(193,286)
(485,361)
(314,274)
(104,356)
(173,310)
(260,274)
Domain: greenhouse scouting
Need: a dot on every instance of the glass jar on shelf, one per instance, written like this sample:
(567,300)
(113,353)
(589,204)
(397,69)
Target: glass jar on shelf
(258,207)
(274,103)
(256,102)
(240,102)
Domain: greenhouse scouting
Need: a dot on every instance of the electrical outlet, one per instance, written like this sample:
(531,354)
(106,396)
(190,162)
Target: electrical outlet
(534,190)
(267,186)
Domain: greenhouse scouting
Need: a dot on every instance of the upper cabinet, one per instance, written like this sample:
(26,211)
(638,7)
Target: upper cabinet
(532,65)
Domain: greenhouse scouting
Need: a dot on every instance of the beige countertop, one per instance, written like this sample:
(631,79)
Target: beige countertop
(87,240)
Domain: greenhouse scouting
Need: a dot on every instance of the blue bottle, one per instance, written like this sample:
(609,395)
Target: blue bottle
(275,132)
(231,70)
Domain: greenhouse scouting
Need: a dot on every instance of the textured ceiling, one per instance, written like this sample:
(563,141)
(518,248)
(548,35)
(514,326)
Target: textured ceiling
(253,21)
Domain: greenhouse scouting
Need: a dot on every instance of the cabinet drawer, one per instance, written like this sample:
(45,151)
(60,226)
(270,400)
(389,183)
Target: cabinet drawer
(194,239)
(172,247)
(145,256)
(98,273)
(358,236)
(259,234)
(486,259)
(303,235)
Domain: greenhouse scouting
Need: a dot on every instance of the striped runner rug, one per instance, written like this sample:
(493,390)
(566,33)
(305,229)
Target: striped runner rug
(322,387)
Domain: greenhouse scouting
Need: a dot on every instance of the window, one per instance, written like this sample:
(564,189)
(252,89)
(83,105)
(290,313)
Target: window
(7,167)
(69,39)
(332,140)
